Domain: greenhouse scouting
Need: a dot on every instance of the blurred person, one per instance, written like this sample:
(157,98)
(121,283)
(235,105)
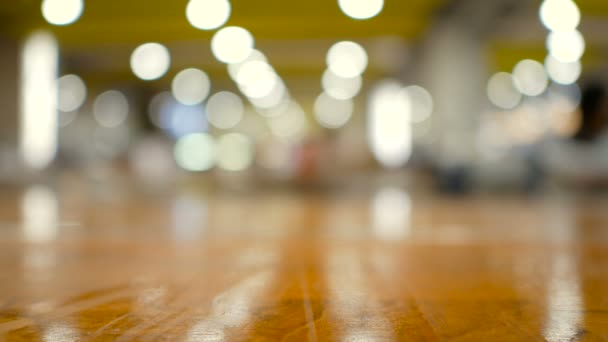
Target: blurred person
(309,155)
(583,159)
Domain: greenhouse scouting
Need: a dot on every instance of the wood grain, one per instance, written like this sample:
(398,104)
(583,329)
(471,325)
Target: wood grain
(385,266)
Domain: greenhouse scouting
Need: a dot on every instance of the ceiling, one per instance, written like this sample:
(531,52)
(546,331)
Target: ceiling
(519,34)
(134,21)
(295,35)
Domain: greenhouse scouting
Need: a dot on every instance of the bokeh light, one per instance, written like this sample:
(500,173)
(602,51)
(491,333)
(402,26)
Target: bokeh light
(191,86)
(111,108)
(256,79)
(234,68)
(341,88)
(331,112)
(361,9)
(175,118)
(179,119)
(421,102)
(391,213)
(62,12)
(38,100)
(563,73)
(40,211)
(288,122)
(280,108)
(235,152)
(156,108)
(530,77)
(72,93)
(502,91)
(195,152)
(150,61)
(560,15)
(225,110)
(347,59)
(275,98)
(566,46)
(208,14)
(232,44)
(389,127)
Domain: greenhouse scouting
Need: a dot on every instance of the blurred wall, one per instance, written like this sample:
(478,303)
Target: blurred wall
(9,74)
(454,70)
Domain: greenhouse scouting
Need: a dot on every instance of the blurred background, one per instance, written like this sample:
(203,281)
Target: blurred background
(452,95)
(214,169)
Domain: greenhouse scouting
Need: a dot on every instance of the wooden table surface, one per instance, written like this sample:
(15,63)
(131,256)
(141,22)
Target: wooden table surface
(383,266)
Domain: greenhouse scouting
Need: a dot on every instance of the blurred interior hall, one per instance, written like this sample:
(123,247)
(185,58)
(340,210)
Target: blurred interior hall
(303,170)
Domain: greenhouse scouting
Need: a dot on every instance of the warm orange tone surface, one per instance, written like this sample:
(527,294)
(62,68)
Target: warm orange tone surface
(348,267)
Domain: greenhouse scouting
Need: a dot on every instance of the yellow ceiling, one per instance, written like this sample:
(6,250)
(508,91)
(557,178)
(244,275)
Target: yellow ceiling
(593,7)
(528,41)
(134,21)
(295,34)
